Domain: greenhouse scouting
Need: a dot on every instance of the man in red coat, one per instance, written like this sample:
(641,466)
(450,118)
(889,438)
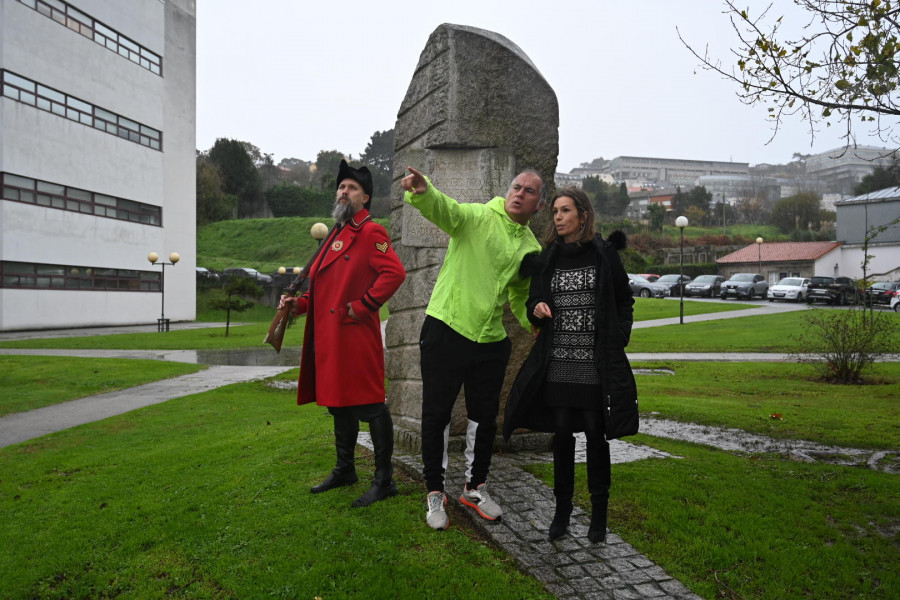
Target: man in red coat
(342,362)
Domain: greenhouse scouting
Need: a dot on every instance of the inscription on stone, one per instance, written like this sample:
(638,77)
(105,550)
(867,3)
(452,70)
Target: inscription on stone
(467,176)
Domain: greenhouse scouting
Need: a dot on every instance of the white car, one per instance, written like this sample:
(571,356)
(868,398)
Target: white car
(789,288)
(895,303)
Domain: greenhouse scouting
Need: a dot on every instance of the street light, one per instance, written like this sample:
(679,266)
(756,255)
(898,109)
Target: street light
(759,242)
(318,231)
(162,324)
(681,223)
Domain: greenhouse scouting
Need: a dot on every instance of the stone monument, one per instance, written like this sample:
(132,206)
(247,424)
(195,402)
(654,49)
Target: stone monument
(477,112)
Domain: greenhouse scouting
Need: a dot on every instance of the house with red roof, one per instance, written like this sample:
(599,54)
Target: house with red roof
(776,260)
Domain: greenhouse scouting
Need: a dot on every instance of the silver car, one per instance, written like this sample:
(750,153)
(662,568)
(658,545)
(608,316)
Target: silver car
(646,289)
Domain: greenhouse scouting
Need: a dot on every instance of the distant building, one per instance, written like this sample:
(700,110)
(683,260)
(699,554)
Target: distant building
(856,217)
(841,169)
(97,160)
(734,188)
(669,172)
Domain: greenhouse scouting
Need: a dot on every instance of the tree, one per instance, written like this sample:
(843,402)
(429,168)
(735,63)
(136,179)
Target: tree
(236,286)
(879,179)
(844,64)
(213,204)
(379,157)
(327,164)
(290,200)
(298,170)
(801,211)
(239,175)
(657,213)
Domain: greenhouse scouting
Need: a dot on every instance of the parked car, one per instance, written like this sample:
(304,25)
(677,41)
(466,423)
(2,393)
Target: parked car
(261,278)
(646,289)
(651,277)
(789,288)
(204,274)
(705,285)
(674,282)
(833,290)
(744,285)
(895,303)
(881,292)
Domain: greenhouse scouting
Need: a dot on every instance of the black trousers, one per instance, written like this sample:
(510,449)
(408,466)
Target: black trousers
(449,362)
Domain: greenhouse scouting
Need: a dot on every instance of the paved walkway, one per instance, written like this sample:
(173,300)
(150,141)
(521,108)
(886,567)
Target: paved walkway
(571,568)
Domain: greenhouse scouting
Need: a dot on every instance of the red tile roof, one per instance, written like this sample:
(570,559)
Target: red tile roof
(780,252)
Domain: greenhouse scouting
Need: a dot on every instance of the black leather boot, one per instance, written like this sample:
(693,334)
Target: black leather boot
(346,429)
(382,430)
(563,483)
(598,468)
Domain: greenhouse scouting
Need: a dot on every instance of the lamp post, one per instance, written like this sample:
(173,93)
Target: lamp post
(681,223)
(759,242)
(318,232)
(162,324)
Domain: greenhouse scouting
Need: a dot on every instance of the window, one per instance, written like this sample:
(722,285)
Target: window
(42,276)
(53,195)
(40,96)
(79,22)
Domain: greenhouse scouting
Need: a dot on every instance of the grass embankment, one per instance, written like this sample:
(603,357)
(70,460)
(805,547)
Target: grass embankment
(207,496)
(262,244)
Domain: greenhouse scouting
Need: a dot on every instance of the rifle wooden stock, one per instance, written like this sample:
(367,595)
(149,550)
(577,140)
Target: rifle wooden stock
(275,335)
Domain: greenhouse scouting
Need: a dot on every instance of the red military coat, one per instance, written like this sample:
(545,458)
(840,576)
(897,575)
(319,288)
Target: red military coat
(342,361)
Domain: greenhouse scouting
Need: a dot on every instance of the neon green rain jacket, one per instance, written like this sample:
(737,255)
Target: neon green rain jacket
(481,269)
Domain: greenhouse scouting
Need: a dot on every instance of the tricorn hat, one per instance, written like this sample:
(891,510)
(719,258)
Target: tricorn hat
(360,175)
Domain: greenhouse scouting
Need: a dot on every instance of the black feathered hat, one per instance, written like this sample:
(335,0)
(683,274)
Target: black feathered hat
(360,175)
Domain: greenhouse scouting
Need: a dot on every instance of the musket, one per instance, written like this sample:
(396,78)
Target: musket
(275,335)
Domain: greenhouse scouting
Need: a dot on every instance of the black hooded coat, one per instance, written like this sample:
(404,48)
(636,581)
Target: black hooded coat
(613,317)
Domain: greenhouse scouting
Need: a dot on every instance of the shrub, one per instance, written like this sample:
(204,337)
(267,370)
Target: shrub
(843,344)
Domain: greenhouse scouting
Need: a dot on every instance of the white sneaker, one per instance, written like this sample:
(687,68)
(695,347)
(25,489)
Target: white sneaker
(480,500)
(437,517)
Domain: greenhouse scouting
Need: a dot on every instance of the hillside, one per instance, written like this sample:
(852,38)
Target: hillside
(263,244)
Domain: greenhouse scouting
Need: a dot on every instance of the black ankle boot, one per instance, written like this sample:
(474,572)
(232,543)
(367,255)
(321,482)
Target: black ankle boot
(560,523)
(382,430)
(346,430)
(597,530)
(335,480)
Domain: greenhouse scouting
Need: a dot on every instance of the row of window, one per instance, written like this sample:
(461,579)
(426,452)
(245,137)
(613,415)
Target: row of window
(63,277)
(54,195)
(40,96)
(67,15)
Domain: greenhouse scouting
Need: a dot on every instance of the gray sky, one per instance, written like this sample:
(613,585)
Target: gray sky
(294,77)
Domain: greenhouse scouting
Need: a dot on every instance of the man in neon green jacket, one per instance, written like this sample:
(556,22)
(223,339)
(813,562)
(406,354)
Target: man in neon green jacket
(463,341)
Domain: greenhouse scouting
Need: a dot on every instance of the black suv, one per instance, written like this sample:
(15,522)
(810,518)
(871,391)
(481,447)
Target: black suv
(833,290)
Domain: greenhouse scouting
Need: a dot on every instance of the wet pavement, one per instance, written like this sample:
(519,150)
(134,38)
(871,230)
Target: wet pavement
(571,567)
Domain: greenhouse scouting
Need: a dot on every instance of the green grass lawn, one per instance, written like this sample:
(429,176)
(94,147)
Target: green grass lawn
(745,395)
(756,525)
(30,382)
(207,496)
(763,333)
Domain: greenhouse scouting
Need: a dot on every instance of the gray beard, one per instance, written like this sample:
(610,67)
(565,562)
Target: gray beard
(342,213)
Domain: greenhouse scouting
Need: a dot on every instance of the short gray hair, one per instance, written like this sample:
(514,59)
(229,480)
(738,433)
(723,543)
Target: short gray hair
(543,193)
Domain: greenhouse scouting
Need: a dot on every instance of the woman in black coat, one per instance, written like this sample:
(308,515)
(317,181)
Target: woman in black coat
(577,376)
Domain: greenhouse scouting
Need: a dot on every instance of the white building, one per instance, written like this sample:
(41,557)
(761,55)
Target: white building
(97,145)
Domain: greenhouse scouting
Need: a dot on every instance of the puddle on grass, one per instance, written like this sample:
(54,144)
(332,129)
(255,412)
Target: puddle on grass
(263,357)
